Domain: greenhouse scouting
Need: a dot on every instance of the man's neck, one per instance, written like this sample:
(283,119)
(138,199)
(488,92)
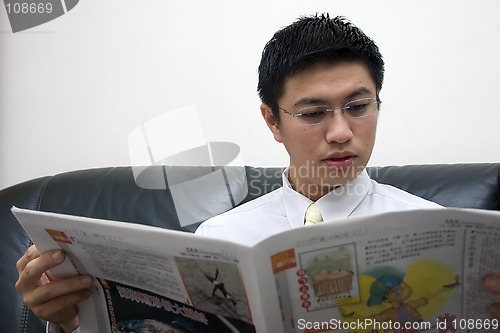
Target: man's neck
(315,188)
(311,190)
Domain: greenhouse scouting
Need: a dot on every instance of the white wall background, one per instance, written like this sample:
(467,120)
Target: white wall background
(72,90)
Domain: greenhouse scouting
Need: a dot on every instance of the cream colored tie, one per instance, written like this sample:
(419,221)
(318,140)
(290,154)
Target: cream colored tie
(313,215)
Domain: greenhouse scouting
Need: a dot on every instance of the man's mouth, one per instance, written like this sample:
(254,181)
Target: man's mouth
(343,161)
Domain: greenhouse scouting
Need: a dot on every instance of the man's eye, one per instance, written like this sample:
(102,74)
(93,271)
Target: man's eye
(315,114)
(357,107)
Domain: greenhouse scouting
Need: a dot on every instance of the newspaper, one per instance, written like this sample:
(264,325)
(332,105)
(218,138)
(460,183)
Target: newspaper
(410,271)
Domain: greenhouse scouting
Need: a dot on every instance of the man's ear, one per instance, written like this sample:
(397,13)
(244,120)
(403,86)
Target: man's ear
(271,122)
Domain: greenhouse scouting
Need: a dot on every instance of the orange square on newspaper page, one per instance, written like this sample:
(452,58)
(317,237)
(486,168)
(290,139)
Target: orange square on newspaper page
(59,236)
(284,260)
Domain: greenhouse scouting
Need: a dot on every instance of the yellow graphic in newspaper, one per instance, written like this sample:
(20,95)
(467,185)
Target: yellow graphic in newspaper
(388,295)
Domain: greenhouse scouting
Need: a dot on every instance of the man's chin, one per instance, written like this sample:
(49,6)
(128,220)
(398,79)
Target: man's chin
(321,179)
(327,173)
(332,184)
(340,176)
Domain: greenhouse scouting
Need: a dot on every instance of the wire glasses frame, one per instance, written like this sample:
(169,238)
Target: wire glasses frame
(316,115)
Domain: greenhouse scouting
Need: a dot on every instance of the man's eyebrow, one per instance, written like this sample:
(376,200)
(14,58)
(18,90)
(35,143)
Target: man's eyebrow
(317,101)
(359,91)
(309,101)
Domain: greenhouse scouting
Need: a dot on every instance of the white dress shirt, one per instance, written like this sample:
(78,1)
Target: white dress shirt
(284,209)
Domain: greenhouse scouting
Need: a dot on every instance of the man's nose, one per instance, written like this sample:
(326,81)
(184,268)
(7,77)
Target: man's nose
(338,127)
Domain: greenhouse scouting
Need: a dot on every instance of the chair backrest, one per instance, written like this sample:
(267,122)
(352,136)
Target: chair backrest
(113,193)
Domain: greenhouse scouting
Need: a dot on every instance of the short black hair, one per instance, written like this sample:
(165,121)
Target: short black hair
(308,41)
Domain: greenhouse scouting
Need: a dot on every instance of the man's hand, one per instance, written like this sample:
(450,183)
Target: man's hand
(49,298)
(492,282)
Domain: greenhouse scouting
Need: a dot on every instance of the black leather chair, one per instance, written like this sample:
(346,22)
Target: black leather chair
(112,193)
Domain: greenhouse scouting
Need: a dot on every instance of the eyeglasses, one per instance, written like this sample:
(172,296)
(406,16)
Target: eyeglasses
(315,115)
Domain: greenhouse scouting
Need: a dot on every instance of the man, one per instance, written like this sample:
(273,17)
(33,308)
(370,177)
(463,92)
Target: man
(319,82)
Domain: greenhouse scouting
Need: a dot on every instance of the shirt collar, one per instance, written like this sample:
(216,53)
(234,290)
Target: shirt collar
(337,204)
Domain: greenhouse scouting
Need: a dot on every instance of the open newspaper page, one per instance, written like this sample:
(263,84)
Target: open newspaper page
(417,271)
(152,280)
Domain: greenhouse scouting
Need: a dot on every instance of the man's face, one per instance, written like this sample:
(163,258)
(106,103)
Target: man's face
(330,154)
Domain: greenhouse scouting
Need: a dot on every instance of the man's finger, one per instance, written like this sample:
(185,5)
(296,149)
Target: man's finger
(32,272)
(30,254)
(494,310)
(57,290)
(492,282)
(61,309)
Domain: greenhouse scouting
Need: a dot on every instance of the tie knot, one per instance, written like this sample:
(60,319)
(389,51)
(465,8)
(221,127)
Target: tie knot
(313,215)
